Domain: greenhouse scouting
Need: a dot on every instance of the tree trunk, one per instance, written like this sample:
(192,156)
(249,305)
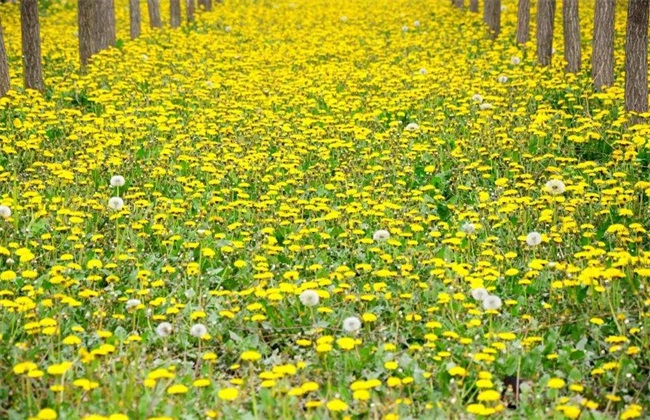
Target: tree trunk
(104,24)
(636,56)
(571,35)
(175,13)
(190,10)
(31,38)
(135,18)
(492,16)
(4,66)
(86,22)
(545,19)
(473,6)
(602,58)
(207,5)
(459,3)
(523,21)
(154,13)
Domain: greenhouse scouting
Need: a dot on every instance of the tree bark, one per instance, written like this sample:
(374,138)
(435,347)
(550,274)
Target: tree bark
(190,10)
(207,5)
(545,19)
(459,3)
(473,6)
(104,24)
(135,18)
(86,22)
(492,16)
(636,56)
(4,66)
(523,21)
(175,13)
(31,39)
(154,13)
(571,25)
(602,59)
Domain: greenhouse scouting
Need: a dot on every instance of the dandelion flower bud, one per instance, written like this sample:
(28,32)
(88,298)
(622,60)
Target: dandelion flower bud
(533,239)
(309,298)
(5,211)
(132,303)
(468,228)
(381,235)
(116,203)
(555,187)
(351,324)
(117,181)
(412,127)
(198,330)
(480,294)
(164,329)
(491,303)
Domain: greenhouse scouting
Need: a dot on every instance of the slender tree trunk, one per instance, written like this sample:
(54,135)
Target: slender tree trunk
(175,13)
(135,18)
(86,22)
(104,24)
(492,16)
(202,4)
(190,10)
(602,58)
(523,21)
(636,56)
(4,66)
(571,35)
(459,3)
(473,6)
(545,19)
(154,13)
(31,38)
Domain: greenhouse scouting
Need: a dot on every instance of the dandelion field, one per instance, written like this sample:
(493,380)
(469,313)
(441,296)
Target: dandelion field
(320,209)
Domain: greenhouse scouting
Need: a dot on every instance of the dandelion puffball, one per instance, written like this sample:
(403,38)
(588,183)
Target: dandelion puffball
(309,298)
(480,294)
(5,211)
(381,235)
(198,330)
(116,203)
(132,303)
(351,324)
(555,187)
(491,303)
(502,79)
(468,228)
(533,239)
(164,329)
(515,60)
(117,181)
(477,98)
(485,105)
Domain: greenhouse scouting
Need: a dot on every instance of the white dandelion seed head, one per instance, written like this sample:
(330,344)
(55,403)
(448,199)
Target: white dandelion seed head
(132,303)
(416,23)
(502,79)
(480,294)
(116,203)
(423,71)
(491,302)
(485,105)
(145,57)
(228,28)
(405,28)
(117,181)
(164,329)
(309,298)
(412,127)
(344,18)
(468,228)
(555,187)
(10,261)
(381,235)
(477,98)
(504,8)
(5,211)
(533,239)
(190,293)
(351,324)
(198,330)
(515,60)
